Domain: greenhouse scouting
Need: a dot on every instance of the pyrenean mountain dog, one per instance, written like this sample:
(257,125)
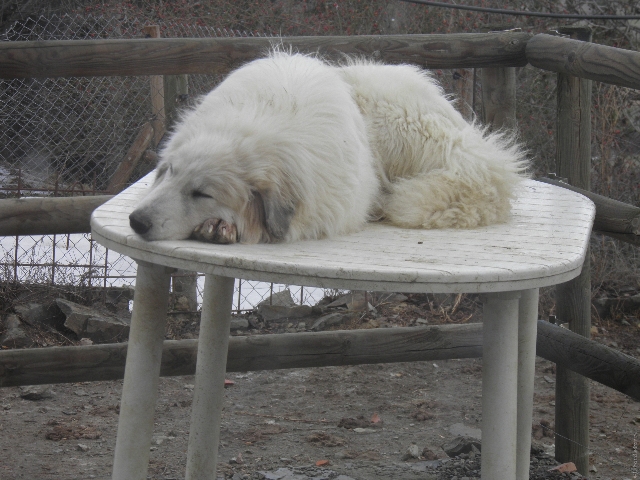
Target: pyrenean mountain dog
(290,147)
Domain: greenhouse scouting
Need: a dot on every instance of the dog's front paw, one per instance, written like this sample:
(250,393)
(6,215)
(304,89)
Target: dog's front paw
(215,230)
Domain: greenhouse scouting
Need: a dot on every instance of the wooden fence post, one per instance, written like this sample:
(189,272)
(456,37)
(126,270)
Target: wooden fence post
(498,89)
(499,97)
(164,91)
(183,282)
(463,88)
(176,93)
(157,93)
(573,299)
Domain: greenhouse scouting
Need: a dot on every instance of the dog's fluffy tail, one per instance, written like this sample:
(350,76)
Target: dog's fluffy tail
(474,189)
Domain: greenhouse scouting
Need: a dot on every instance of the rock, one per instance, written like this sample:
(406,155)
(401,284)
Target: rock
(272,313)
(537,448)
(364,430)
(441,299)
(462,430)
(427,465)
(36,392)
(182,304)
(387,297)
(328,320)
(253,321)
(116,295)
(354,301)
(15,336)
(12,322)
(352,423)
(87,323)
(429,454)
(279,299)
(82,447)
(278,474)
(239,323)
(412,452)
(160,439)
(318,309)
(34,313)
(564,468)
(460,445)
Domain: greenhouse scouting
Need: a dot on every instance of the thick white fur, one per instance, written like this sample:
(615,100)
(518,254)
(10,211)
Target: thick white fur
(289,147)
(438,171)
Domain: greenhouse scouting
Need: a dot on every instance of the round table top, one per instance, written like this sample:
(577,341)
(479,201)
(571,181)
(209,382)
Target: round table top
(543,244)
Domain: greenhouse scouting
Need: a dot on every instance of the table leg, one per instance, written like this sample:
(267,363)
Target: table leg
(208,395)
(142,371)
(527,331)
(499,385)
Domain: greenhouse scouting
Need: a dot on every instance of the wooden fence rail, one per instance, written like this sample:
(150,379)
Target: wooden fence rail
(304,350)
(616,219)
(175,56)
(59,215)
(48,216)
(585,60)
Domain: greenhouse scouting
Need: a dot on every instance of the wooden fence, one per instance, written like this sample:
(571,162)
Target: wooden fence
(303,350)
(576,61)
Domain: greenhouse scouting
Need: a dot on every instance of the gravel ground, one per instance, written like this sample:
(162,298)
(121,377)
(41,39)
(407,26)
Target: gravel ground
(362,422)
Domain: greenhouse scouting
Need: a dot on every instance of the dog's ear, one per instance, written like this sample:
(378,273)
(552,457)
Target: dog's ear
(277,213)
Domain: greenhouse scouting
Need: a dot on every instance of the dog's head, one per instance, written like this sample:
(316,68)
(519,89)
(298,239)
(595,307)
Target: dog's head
(185,194)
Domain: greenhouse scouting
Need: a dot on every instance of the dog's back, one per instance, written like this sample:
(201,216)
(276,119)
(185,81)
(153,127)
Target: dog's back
(438,170)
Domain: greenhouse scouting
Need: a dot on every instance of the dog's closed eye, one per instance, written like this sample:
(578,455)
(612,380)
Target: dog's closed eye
(199,194)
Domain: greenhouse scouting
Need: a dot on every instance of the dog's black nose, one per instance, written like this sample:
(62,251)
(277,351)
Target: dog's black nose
(140,223)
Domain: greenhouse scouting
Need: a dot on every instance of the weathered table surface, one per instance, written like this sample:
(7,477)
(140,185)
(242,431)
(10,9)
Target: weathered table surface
(543,244)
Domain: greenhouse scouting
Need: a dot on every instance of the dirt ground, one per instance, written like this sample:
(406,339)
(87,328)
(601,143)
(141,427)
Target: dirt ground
(356,422)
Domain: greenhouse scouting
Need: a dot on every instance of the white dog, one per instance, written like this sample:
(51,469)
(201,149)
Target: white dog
(289,147)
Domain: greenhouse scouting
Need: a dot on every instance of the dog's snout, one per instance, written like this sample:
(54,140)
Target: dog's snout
(140,223)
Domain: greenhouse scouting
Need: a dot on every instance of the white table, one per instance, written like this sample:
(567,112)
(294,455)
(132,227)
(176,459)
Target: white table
(543,244)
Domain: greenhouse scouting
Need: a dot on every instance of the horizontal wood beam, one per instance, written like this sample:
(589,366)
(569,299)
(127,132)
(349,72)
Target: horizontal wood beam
(585,60)
(304,350)
(48,215)
(175,56)
(59,215)
(589,358)
(616,219)
(257,352)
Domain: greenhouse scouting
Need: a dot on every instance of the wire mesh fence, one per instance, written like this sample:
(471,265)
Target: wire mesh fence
(68,136)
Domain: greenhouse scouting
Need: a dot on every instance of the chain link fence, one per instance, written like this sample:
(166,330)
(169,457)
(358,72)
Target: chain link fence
(67,136)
